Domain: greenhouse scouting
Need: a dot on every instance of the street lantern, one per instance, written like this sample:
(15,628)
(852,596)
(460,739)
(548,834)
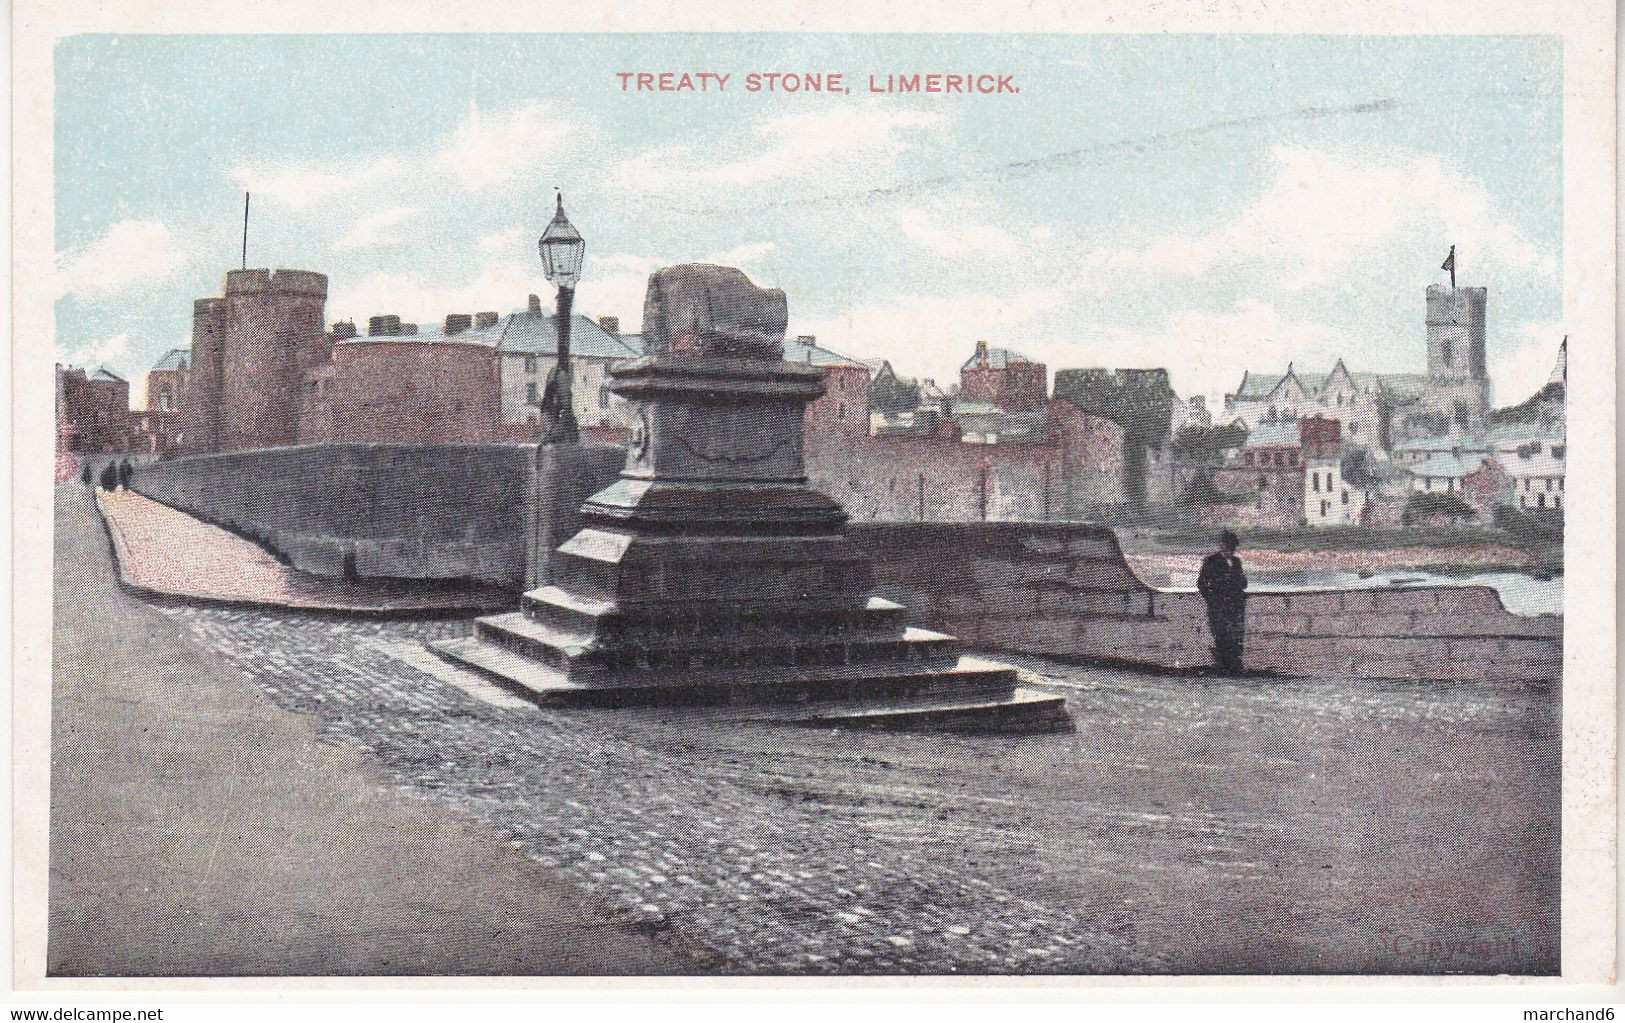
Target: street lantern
(562,251)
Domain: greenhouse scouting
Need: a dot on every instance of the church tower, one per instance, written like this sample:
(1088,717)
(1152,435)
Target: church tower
(1458,383)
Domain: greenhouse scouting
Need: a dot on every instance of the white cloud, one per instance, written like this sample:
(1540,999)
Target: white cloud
(843,143)
(504,241)
(298,187)
(131,253)
(101,352)
(1326,215)
(490,150)
(373,231)
(955,231)
(1524,361)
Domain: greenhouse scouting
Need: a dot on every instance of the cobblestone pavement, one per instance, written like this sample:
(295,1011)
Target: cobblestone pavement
(1190,825)
(169,552)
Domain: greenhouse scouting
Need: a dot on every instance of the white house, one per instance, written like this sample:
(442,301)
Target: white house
(1537,472)
(1328,499)
(527,344)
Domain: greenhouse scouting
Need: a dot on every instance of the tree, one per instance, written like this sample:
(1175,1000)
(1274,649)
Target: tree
(1207,443)
(1425,506)
(1357,468)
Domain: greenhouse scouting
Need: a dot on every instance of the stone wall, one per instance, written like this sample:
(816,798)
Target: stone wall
(1065,590)
(394,511)
(1078,464)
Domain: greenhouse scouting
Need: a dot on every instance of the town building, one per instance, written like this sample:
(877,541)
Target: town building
(959,457)
(1328,499)
(844,406)
(163,387)
(1004,379)
(92,411)
(528,341)
(1364,403)
(402,389)
(1535,473)
(1381,410)
(1268,467)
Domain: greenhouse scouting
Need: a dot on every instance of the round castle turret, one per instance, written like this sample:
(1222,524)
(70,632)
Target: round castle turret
(273,330)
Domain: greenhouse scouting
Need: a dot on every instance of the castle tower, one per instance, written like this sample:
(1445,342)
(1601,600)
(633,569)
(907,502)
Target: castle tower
(200,400)
(274,329)
(1458,385)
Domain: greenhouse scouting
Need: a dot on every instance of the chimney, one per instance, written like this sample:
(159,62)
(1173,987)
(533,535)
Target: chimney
(485,319)
(409,328)
(456,323)
(611,324)
(981,354)
(807,339)
(343,329)
(535,305)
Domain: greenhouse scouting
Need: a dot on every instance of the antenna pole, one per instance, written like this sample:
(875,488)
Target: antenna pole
(245,230)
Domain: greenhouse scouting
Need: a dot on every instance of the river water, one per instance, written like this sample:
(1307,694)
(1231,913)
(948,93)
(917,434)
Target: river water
(1521,593)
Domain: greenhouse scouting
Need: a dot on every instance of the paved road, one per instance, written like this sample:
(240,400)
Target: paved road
(169,552)
(1314,826)
(197,828)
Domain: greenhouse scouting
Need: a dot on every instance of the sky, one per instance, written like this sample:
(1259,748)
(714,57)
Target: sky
(1210,204)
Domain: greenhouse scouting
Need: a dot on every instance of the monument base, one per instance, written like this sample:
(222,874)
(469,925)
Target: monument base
(710,573)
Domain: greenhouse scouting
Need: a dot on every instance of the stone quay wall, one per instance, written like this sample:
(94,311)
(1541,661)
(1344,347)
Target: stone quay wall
(1057,589)
(1065,590)
(388,511)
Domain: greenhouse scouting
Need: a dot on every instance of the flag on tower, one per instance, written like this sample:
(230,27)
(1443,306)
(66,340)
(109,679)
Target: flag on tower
(1450,264)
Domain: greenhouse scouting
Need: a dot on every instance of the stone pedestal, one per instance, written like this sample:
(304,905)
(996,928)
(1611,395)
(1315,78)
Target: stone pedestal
(709,572)
(566,475)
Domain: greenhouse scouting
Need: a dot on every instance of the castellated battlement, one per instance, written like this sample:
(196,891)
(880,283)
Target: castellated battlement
(206,306)
(1455,305)
(288,282)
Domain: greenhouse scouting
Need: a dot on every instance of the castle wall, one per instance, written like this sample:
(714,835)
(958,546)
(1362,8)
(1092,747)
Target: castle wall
(404,391)
(938,478)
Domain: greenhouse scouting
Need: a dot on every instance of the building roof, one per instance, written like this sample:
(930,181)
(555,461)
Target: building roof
(797,350)
(997,358)
(1443,442)
(520,333)
(103,373)
(977,408)
(1447,466)
(1262,385)
(1273,435)
(1514,434)
(174,359)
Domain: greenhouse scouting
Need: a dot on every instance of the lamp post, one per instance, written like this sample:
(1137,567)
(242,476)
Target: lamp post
(562,250)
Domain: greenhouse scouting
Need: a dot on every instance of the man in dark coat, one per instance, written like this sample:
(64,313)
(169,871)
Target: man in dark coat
(1223,585)
(85,473)
(125,471)
(109,477)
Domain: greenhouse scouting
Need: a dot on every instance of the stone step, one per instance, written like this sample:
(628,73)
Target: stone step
(722,618)
(1022,711)
(581,654)
(967,678)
